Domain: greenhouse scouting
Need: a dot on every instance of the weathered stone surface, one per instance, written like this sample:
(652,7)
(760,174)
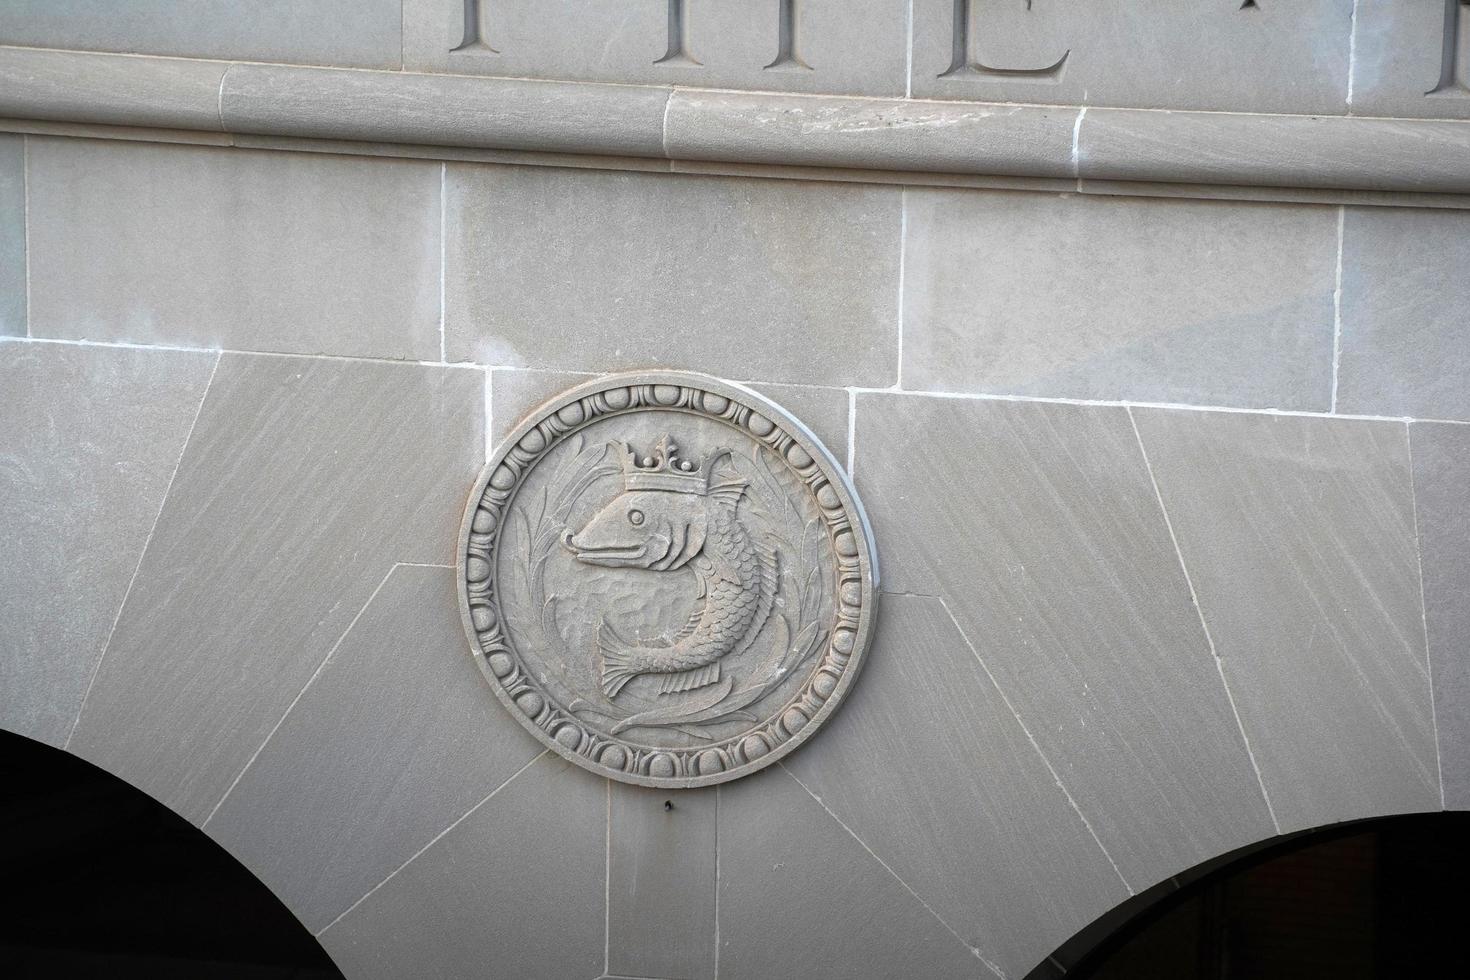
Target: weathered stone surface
(119,90)
(88,443)
(515,392)
(1405,335)
(880,134)
(1298,534)
(274,535)
(394,740)
(1238,155)
(1441,456)
(357,33)
(1399,60)
(12,236)
(396,107)
(1165,301)
(928,733)
(228,248)
(1274,151)
(851,46)
(748,279)
(1259,194)
(1217,55)
(1039,527)
(666,580)
(515,890)
(774,871)
(661,896)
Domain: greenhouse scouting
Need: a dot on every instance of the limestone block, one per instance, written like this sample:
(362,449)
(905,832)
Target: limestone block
(801,897)
(1039,527)
(516,889)
(1150,53)
(1441,456)
(209,247)
(1298,534)
(1163,301)
(89,438)
(1412,59)
(12,236)
(393,741)
(304,481)
(1405,332)
(661,894)
(356,33)
(753,280)
(927,733)
(70,86)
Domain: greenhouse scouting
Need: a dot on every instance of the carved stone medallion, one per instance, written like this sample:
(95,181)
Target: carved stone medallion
(666,579)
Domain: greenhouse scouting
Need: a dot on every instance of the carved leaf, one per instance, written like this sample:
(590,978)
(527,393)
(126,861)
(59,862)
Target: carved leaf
(782,631)
(804,640)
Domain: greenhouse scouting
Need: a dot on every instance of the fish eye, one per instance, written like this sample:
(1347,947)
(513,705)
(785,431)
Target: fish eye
(635,517)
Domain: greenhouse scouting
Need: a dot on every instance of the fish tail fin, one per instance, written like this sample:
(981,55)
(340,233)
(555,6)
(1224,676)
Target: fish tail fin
(617,661)
(688,680)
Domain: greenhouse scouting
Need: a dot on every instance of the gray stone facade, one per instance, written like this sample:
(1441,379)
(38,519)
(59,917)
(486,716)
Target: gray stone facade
(1141,332)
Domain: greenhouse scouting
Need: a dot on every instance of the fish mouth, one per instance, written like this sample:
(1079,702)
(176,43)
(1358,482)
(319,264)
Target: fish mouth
(609,555)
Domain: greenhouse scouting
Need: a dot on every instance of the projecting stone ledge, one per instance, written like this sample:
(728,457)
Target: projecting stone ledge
(666,123)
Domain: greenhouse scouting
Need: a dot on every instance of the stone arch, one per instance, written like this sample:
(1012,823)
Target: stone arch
(1092,945)
(1066,702)
(103,877)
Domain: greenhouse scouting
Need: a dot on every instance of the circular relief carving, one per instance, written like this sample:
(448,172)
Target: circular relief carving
(666,579)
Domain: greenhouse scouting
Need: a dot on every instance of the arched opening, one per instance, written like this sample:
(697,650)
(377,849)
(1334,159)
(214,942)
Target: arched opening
(100,880)
(1381,898)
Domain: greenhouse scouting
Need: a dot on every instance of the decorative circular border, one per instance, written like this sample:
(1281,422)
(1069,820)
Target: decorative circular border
(770,426)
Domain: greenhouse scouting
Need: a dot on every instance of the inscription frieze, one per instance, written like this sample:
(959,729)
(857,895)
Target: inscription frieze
(666,579)
(1306,56)
(964,40)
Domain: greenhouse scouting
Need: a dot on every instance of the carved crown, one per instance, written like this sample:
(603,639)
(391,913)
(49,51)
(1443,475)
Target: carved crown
(663,469)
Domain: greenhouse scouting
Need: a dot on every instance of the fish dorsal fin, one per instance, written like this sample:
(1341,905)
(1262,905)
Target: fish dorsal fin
(770,579)
(728,492)
(725,487)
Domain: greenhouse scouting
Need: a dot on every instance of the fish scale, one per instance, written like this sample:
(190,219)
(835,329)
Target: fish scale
(738,585)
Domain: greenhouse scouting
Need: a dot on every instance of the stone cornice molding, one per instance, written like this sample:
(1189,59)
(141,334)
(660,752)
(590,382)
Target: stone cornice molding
(900,136)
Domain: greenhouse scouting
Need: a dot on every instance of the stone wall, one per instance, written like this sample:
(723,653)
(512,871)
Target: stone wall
(1162,420)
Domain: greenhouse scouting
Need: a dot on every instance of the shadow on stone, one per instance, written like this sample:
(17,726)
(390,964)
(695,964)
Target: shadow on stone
(1366,899)
(103,881)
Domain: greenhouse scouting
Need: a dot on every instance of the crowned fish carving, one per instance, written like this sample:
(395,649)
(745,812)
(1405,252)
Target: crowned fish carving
(674,513)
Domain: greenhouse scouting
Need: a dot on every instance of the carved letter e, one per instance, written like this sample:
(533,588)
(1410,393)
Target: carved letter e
(965,61)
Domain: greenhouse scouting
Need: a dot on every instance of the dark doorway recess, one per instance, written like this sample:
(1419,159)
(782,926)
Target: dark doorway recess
(1373,899)
(99,880)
